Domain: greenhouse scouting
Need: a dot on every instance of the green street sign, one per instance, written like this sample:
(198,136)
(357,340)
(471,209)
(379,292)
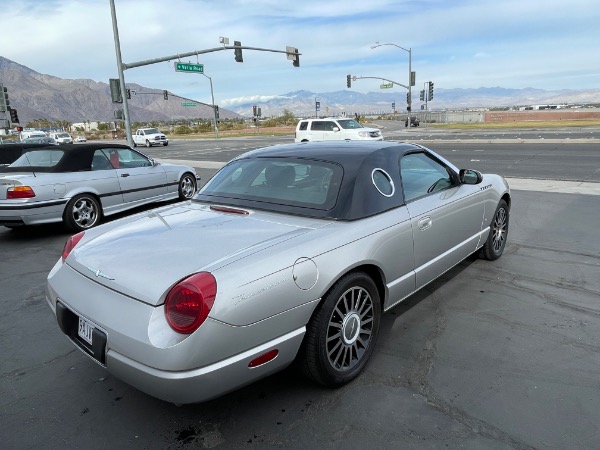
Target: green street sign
(188,67)
(188,104)
(387,85)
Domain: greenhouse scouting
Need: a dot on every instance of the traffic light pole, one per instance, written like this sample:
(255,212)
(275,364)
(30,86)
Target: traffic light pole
(121,67)
(212,96)
(121,74)
(383,79)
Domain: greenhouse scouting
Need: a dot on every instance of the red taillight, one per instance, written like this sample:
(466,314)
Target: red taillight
(70,244)
(187,305)
(19,192)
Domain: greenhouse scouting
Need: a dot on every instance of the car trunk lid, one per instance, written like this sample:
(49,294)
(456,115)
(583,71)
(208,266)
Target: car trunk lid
(145,257)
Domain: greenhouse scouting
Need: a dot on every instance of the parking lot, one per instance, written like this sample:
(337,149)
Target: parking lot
(496,355)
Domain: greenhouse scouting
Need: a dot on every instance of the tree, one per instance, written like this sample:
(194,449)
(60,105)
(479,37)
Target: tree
(287,117)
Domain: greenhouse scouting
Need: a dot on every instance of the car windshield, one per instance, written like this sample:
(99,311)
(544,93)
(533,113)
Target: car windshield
(63,135)
(267,182)
(151,131)
(39,158)
(349,124)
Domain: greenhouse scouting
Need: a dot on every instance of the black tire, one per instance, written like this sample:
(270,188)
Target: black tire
(148,144)
(165,144)
(187,186)
(134,144)
(82,212)
(341,336)
(496,241)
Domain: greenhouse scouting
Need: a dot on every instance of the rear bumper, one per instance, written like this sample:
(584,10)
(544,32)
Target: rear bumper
(31,213)
(205,383)
(137,345)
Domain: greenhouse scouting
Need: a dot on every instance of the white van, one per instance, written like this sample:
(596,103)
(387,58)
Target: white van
(335,129)
(62,137)
(34,133)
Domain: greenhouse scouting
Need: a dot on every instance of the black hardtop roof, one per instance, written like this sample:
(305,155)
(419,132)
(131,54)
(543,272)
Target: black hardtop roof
(357,197)
(341,152)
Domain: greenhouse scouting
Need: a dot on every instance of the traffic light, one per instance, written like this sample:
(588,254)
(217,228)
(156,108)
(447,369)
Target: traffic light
(217,111)
(422,95)
(393,106)
(4,103)
(258,112)
(349,80)
(254,110)
(115,90)
(430,90)
(238,51)
(14,117)
(128,93)
(292,53)
(408,98)
(166,95)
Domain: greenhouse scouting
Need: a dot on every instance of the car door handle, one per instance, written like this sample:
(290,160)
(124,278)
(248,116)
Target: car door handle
(124,175)
(425,223)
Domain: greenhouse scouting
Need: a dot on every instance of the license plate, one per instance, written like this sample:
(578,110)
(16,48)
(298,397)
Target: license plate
(85,330)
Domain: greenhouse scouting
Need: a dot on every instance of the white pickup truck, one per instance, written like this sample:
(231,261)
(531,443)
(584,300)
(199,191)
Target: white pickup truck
(149,137)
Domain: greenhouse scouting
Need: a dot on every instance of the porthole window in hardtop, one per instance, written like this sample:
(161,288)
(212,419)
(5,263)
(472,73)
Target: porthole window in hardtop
(283,181)
(383,182)
(422,175)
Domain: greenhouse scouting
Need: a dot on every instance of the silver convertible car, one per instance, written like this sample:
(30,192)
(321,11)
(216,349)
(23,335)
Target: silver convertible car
(289,253)
(80,184)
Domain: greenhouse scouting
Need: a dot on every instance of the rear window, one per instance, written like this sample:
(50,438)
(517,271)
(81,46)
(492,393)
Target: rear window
(39,158)
(267,182)
(303,126)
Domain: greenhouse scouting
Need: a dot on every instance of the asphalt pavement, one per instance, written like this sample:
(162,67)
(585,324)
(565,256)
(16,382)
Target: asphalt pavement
(493,355)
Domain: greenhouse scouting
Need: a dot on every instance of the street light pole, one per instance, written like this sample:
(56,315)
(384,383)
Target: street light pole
(409,50)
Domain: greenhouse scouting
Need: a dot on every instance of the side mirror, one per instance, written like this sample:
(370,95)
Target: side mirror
(470,176)
(335,129)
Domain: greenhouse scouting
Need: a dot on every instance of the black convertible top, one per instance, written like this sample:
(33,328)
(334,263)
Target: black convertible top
(75,157)
(357,196)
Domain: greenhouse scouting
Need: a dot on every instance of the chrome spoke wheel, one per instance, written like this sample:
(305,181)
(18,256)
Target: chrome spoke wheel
(82,212)
(350,329)
(496,240)
(85,213)
(499,229)
(187,187)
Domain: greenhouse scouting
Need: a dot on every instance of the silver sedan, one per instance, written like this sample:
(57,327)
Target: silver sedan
(78,185)
(290,253)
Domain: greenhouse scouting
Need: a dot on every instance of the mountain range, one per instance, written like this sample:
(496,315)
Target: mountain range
(41,96)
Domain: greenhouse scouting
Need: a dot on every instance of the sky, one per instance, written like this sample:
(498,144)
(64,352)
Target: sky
(544,44)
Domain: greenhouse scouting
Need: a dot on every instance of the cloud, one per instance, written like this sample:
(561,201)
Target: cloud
(458,43)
